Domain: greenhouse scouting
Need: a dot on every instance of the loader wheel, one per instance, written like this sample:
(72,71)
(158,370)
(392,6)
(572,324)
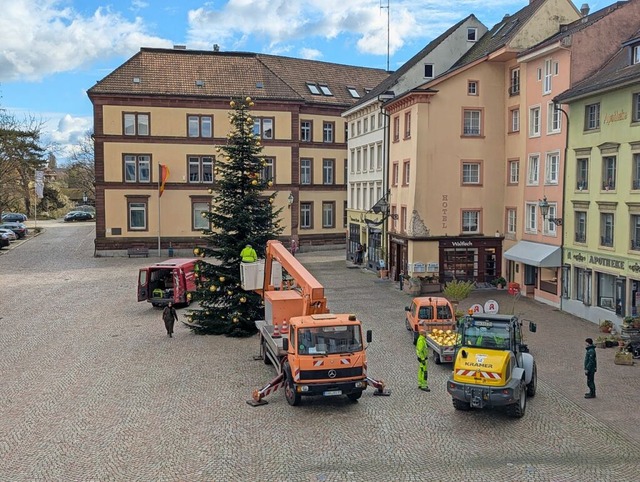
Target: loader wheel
(354,397)
(518,409)
(436,359)
(533,384)
(293,397)
(460,405)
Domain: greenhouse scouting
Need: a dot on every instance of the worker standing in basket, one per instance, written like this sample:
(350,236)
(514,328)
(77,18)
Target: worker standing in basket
(248,254)
(422,351)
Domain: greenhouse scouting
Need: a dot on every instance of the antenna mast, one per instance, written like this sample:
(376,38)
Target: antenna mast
(387,7)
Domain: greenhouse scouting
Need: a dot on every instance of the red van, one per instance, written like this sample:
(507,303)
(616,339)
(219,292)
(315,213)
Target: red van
(167,281)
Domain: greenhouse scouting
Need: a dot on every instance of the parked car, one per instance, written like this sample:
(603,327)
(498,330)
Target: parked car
(12,236)
(14,218)
(4,240)
(78,216)
(18,228)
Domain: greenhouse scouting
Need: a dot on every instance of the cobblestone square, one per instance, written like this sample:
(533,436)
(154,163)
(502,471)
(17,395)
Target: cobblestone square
(93,390)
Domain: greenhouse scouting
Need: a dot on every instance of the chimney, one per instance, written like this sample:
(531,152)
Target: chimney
(584,9)
(179,47)
(216,48)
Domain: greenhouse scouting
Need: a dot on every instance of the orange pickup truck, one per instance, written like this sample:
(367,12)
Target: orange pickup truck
(434,311)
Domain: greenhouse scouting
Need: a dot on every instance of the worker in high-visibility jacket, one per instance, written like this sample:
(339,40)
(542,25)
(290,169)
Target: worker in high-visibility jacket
(248,254)
(422,351)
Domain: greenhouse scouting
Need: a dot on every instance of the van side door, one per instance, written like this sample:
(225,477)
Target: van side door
(143,284)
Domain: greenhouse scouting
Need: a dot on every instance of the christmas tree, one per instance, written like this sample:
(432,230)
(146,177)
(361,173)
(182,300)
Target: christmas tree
(241,213)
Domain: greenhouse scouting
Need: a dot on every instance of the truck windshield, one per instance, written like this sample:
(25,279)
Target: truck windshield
(327,340)
(495,336)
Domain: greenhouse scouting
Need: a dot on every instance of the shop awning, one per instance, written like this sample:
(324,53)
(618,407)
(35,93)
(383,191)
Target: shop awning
(535,254)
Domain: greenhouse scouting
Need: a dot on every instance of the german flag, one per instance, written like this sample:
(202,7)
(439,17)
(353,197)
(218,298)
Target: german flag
(164,175)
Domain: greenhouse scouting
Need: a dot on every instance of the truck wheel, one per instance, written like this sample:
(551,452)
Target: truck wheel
(436,359)
(533,384)
(293,397)
(354,397)
(460,405)
(263,352)
(518,409)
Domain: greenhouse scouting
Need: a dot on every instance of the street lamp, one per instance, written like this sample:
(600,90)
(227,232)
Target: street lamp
(290,200)
(543,204)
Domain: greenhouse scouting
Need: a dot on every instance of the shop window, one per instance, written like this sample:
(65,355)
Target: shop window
(606,291)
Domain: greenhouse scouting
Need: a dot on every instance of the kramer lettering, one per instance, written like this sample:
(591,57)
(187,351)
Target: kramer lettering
(478,365)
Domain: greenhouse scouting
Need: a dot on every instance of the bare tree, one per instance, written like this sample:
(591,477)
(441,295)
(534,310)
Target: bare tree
(81,173)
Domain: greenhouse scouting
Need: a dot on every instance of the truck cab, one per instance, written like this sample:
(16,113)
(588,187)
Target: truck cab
(434,311)
(167,281)
(492,365)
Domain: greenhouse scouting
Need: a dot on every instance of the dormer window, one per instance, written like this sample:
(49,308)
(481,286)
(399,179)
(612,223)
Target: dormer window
(353,92)
(325,89)
(313,88)
(472,34)
(636,55)
(428,71)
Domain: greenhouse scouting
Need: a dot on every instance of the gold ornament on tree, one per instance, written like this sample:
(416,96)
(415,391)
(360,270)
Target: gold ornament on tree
(222,278)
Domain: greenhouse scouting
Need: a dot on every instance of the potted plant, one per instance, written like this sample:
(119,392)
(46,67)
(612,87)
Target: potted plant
(456,291)
(499,283)
(606,326)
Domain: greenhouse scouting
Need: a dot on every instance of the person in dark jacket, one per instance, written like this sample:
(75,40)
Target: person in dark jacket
(169,316)
(590,368)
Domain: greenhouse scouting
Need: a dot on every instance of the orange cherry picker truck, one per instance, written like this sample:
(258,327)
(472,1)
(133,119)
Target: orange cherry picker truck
(313,351)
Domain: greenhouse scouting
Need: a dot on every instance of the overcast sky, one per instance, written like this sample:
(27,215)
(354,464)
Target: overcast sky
(52,51)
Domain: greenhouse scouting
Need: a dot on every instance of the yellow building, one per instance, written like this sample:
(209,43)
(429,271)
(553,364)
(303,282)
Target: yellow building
(449,150)
(170,107)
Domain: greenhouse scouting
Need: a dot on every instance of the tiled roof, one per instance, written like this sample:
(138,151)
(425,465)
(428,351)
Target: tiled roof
(176,72)
(499,35)
(616,72)
(576,26)
(388,83)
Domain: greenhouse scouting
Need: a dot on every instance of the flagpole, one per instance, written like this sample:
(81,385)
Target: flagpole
(159,181)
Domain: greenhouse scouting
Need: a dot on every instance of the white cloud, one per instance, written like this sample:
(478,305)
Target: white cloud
(41,37)
(64,132)
(360,24)
(310,54)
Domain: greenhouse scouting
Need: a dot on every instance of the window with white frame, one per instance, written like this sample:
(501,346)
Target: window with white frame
(635,109)
(395,172)
(472,87)
(328,214)
(515,120)
(534,121)
(403,219)
(533,170)
(305,171)
(379,156)
(306,218)
(606,229)
(406,171)
(472,122)
(137,168)
(581,226)
(407,125)
(636,55)
(353,161)
(470,173)
(428,71)
(582,174)
(549,228)
(200,169)
(263,127)
(200,126)
(136,124)
(514,172)
(366,125)
(470,222)
(328,171)
(306,131)
(327,131)
(592,117)
(609,173)
(372,161)
(199,221)
(365,155)
(552,166)
(514,87)
(511,220)
(531,225)
(635,171)
(548,73)
(472,34)
(354,93)
(137,215)
(554,118)
(394,218)
(373,121)
(267,172)
(359,160)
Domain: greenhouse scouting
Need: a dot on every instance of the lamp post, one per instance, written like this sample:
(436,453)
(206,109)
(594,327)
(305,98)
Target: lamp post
(290,200)
(543,204)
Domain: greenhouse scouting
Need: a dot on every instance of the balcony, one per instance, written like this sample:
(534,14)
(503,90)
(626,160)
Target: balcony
(606,241)
(581,238)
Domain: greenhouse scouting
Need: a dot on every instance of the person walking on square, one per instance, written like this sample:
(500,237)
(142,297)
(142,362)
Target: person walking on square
(169,316)
(422,350)
(294,246)
(590,368)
